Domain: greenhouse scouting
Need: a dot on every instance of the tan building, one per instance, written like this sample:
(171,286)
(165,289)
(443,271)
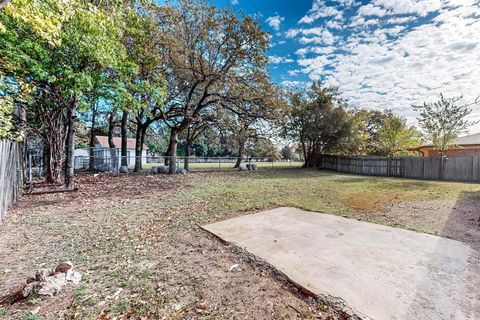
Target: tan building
(466,146)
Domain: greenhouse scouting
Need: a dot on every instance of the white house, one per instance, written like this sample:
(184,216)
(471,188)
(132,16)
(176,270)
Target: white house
(101,142)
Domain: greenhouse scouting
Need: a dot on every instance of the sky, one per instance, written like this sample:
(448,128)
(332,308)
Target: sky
(382,54)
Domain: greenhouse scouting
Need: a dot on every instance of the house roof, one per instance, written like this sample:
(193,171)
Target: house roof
(468,140)
(117,141)
(473,139)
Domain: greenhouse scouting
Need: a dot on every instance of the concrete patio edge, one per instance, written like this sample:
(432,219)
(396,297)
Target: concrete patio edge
(337,303)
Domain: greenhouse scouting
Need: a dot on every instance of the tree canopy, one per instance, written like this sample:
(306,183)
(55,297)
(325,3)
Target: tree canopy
(319,120)
(442,121)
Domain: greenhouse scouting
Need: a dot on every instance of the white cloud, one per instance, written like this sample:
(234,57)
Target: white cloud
(234,2)
(420,8)
(278,60)
(317,50)
(293,85)
(400,20)
(334,25)
(314,66)
(371,10)
(275,22)
(292,33)
(348,3)
(293,72)
(359,21)
(317,35)
(302,51)
(320,10)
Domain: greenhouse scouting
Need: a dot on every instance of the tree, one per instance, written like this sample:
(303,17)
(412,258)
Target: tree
(193,132)
(147,86)
(396,136)
(7,127)
(366,125)
(206,52)
(56,47)
(442,121)
(287,153)
(98,111)
(264,148)
(318,120)
(250,118)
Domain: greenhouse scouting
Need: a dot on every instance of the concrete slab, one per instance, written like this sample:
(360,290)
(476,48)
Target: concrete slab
(379,271)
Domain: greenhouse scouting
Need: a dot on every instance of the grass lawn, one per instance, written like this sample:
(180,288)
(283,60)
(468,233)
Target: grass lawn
(136,239)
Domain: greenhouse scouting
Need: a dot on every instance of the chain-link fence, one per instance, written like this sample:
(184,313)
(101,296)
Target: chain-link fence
(104,159)
(110,160)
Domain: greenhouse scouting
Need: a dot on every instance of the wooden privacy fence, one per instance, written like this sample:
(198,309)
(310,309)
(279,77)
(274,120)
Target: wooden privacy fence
(11,173)
(465,169)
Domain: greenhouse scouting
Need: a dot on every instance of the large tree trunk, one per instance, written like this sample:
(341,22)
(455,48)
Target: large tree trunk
(56,145)
(188,154)
(123,130)
(310,155)
(139,138)
(239,155)
(188,151)
(111,127)
(49,167)
(172,150)
(70,147)
(111,144)
(54,153)
(304,150)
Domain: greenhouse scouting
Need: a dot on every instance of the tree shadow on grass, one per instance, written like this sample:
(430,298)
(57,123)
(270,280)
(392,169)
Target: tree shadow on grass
(459,269)
(463,223)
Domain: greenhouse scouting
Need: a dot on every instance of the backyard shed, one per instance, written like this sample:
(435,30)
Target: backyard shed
(101,142)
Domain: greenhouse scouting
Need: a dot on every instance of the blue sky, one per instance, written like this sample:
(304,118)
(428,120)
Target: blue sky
(381,53)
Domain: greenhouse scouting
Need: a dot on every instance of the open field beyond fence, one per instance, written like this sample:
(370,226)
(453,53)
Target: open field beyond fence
(218,164)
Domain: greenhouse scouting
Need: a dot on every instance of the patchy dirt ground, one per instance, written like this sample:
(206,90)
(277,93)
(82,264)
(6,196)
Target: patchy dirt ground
(136,240)
(457,219)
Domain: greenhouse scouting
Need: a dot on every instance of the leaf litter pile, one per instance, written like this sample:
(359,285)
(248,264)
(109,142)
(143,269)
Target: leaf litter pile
(136,242)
